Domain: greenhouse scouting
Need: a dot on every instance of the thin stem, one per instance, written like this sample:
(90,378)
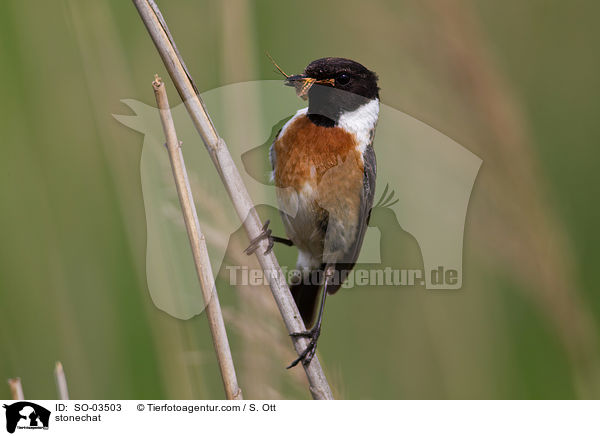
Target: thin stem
(61,381)
(16,389)
(198,245)
(219,153)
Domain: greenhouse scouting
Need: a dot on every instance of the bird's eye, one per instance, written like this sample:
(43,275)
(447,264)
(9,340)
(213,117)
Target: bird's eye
(343,79)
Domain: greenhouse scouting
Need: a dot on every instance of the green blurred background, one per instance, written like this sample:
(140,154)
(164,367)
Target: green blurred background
(517,83)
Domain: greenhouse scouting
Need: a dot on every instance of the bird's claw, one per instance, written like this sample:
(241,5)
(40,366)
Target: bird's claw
(255,243)
(309,352)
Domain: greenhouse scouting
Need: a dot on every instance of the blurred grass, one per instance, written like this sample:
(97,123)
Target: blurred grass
(72,229)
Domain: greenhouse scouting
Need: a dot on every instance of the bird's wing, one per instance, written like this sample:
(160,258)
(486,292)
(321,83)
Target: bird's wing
(368,194)
(366,204)
(272,153)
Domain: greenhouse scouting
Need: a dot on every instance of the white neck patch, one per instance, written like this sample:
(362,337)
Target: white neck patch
(361,122)
(297,115)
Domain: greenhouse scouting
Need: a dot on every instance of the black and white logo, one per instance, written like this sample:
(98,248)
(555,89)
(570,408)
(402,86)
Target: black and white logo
(26,415)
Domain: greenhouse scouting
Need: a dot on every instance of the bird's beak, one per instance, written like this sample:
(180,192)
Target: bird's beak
(302,83)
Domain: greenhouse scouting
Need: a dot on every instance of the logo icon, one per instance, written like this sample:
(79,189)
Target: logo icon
(26,415)
(424,182)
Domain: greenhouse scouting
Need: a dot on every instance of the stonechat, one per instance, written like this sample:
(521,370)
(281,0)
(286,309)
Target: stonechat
(324,170)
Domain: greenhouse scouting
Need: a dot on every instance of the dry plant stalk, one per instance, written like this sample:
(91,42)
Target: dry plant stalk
(198,245)
(219,153)
(16,389)
(61,381)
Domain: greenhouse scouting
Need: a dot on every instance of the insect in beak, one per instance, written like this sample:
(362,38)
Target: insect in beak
(302,83)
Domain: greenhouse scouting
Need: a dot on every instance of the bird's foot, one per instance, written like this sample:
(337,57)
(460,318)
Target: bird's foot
(255,243)
(309,352)
(266,234)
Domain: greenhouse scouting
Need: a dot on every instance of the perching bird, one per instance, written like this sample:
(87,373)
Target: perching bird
(324,169)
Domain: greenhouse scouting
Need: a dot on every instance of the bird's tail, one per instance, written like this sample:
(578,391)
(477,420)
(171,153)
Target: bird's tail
(306,297)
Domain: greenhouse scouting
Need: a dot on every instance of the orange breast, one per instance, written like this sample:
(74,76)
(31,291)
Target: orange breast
(324,159)
(306,152)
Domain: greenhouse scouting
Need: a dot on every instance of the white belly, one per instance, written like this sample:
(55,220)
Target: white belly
(302,219)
